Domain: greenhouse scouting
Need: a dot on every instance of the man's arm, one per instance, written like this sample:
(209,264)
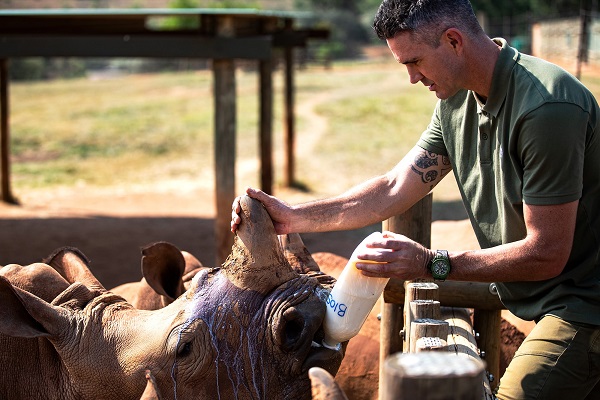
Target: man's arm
(541,255)
(372,201)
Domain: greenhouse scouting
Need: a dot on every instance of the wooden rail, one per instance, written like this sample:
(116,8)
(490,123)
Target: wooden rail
(441,354)
(481,299)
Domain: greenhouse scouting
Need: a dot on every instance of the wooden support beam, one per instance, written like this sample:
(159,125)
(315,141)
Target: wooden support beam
(461,338)
(418,296)
(136,45)
(6,193)
(487,324)
(452,294)
(225,131)
(288,111)
(390,338)
(426,327)
(266,125)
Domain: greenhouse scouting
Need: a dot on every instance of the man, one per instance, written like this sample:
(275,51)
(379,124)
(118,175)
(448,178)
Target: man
(521,137)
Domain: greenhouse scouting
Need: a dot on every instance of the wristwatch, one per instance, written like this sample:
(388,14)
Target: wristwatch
(440,265)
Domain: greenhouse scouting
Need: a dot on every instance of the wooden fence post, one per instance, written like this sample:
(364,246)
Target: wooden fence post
(487,324)
(415,224)
(418,293)
(432,376)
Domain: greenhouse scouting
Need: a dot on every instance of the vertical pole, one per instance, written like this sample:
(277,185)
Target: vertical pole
(225,130)
(390,341)
(582,50)
(289,117)
(7,196)
(415,224)
(487,324)
(266,125)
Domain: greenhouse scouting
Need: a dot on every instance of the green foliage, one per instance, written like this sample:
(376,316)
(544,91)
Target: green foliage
(347,35)
(356,7)
(234,4)
(37,68)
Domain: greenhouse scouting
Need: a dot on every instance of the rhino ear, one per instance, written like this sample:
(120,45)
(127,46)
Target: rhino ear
(163,266)
(25,315)
(74,267)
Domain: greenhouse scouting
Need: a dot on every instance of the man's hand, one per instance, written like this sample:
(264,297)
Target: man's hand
(279,211)
(400,258)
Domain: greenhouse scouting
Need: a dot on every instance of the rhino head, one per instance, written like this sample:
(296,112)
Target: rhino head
(263,318)
(247,330)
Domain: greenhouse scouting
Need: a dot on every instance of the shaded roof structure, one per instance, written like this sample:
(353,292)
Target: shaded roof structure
(221,35)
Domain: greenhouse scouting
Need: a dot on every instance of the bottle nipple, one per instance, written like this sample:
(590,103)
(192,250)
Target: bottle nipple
(335,346)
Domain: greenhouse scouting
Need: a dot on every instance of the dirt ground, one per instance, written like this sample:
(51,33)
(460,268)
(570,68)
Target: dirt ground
(111,225)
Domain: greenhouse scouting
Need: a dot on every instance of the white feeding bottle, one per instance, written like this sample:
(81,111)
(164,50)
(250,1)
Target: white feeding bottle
(352,298)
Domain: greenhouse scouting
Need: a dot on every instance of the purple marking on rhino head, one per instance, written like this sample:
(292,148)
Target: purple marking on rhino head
(259,340)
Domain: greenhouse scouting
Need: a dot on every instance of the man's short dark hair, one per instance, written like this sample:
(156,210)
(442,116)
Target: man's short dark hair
(425,19)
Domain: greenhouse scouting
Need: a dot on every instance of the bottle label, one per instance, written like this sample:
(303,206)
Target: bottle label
(338,308)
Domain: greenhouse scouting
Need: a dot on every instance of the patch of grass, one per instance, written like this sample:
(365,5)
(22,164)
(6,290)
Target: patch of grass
(138,128)
(69,131)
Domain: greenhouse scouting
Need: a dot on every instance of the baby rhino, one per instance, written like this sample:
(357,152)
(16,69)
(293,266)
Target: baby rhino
(247,330)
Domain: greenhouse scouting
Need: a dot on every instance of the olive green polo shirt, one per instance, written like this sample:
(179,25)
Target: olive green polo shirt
(534,141)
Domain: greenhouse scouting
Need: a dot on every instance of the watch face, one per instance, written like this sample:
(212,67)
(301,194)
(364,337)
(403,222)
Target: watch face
(440,268)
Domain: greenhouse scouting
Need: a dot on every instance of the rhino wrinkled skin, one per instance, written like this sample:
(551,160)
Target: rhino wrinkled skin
(243,331)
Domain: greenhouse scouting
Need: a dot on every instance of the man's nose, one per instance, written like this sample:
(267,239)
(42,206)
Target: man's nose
(414,75)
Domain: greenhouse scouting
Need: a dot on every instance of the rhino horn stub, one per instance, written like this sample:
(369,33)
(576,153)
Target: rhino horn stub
(257,261)
(297,254)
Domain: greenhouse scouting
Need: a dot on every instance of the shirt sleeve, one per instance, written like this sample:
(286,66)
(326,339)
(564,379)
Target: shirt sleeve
(431,139)
(551,146)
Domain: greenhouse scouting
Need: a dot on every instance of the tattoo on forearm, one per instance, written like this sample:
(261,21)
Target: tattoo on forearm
(426,159)
(427,166)
(426,176)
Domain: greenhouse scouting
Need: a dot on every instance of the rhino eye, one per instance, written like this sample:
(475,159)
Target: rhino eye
(184,350)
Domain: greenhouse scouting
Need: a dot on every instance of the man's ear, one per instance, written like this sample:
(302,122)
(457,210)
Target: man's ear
(454,38)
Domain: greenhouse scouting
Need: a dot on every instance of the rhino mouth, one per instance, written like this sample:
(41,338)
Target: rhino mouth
(322,357)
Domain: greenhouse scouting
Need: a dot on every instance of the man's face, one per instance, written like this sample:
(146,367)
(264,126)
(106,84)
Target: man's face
(437,68)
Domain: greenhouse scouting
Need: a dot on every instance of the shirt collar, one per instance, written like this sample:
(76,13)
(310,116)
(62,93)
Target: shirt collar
(504,65)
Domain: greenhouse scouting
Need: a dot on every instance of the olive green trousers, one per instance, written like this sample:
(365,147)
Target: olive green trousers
(558,360)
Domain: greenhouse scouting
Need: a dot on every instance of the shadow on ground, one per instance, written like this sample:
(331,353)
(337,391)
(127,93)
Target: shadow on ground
(113,244)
